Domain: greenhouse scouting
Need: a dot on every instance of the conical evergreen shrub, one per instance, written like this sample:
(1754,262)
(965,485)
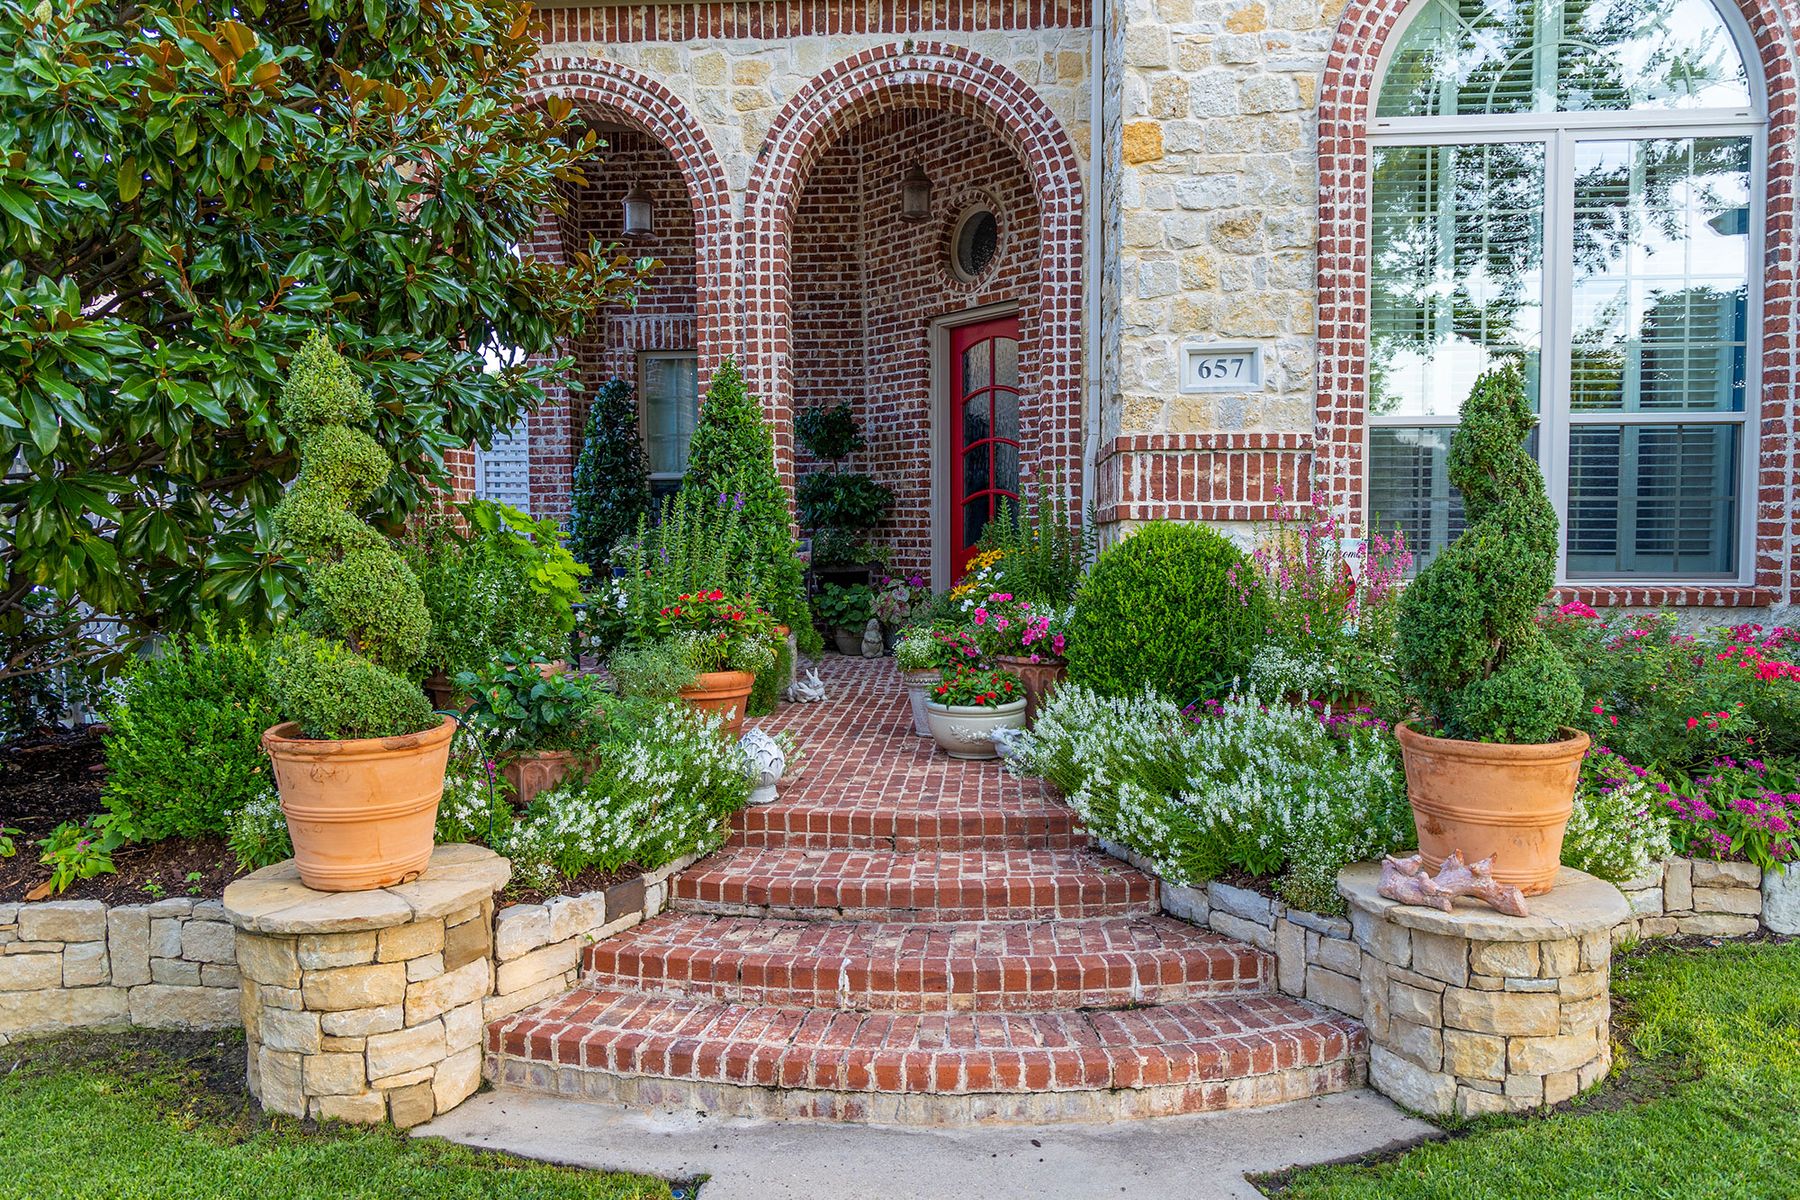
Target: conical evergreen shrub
(733,456)
(612,477)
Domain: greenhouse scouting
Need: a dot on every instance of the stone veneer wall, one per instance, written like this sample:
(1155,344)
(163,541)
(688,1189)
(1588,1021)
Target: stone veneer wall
(1695,897)
(73,964)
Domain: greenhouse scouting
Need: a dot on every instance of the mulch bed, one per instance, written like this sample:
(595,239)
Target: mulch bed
(57,777)
(591,880)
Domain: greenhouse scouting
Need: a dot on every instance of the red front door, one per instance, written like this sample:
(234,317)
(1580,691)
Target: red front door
(984,429)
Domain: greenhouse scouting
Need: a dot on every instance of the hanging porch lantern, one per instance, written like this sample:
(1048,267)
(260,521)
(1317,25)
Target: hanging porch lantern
(640,212)
(915,195)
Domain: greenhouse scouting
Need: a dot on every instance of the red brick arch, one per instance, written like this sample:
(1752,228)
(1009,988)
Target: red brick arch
(942,78)
(1346,97)
(647,105)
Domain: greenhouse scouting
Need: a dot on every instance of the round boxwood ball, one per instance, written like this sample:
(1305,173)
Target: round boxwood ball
(1159,608)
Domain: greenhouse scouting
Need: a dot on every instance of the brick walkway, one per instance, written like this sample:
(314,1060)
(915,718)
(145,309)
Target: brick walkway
(904,937)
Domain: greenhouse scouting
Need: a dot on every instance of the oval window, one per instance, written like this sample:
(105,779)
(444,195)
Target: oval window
(976,244)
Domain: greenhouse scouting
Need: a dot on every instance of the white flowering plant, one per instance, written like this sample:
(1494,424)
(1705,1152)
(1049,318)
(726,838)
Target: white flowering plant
(1619,826)
(663,789)
(1277,791)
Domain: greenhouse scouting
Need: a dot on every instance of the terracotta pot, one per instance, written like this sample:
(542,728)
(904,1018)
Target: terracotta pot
(918,684)
(534,771)
(722,692)
(848,643)
(1485,798)
(1038,677)
(361,812)
(964,731)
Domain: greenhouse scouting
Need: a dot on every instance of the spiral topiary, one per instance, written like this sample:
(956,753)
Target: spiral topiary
(1470,650)
(358,587)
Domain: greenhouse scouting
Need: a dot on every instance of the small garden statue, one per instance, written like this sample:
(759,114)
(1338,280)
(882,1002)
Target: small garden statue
(872,645)
(1407,881)
(807,689)
(766,762)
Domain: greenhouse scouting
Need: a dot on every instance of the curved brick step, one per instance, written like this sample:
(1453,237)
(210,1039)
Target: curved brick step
(763,1060)
(922,821)
(878,885)
(1023,966)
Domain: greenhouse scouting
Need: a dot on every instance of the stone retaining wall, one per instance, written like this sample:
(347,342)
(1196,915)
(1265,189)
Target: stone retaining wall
(73,964)
(1696,897)
(537,947)
(1316,956)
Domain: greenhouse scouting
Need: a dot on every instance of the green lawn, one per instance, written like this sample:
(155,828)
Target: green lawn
(1708,1104)
(140,1115)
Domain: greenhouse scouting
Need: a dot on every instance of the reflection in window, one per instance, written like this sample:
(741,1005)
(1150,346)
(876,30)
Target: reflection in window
(1457,271)
(668,393)
(1496,57)
(1612,258)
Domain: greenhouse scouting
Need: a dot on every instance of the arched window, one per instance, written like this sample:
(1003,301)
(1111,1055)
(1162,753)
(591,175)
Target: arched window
(1575,185)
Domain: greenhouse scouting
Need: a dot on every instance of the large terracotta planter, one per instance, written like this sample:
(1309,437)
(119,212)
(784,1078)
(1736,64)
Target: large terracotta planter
(1039,678)
(722,692)
(1485,798)
(361,812)
(918,685)
(534,771)
(968,732)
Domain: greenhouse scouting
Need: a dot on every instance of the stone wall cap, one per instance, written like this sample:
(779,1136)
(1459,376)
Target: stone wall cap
(274,901)
(1579,904)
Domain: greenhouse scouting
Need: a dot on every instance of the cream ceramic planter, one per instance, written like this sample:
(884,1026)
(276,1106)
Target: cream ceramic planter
(966,732)
(917,684)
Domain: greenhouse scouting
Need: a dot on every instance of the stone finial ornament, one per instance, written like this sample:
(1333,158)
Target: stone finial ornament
(872,646)
(767,763)
(806,689)
(1405,880)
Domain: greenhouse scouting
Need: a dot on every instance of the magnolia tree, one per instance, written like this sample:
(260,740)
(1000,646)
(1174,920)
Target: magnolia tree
(187,189)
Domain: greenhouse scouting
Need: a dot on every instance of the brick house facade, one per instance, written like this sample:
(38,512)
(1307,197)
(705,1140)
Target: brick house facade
(1244,245)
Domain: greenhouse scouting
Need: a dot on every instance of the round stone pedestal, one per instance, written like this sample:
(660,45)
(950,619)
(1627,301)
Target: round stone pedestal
(365,1006)
(1472,1011)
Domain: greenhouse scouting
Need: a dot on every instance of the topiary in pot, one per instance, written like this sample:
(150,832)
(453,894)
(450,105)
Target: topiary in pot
(1158,608)
(612,479)
(358,587)
(1498,778)
(360,762)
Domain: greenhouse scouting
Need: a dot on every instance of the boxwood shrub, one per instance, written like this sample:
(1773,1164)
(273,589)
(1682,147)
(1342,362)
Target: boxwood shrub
(1159,609)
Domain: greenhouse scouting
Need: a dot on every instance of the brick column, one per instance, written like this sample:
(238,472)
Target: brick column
(367,1006)
(1472,1011)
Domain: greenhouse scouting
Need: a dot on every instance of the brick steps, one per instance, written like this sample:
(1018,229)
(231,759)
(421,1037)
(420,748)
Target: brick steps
(765,1060)
(936,886)
(909,827)
(1040,966)
(903,938)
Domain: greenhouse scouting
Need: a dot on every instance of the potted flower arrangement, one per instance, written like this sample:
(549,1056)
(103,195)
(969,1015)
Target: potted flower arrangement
(727,641)
(359,764)
(969,704)
(895,603)
(922,655)
(845,611)
(1492,762)
(1027,639)
(535,719)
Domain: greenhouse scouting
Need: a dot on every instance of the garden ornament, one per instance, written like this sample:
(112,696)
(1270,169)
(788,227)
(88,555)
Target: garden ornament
(1006,741)
(767,763)
(807,689)
(873,646)
(1407,881)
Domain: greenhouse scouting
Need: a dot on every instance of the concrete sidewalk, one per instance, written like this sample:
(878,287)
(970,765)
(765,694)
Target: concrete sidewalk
(1193,1158)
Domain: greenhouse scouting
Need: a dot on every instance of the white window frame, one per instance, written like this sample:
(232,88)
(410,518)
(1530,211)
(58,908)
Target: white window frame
(644,359)
(1559,133)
